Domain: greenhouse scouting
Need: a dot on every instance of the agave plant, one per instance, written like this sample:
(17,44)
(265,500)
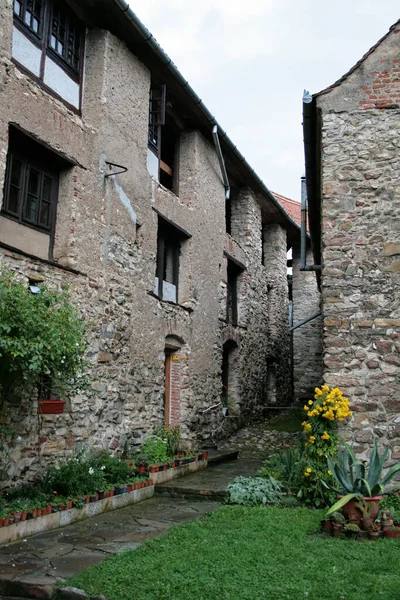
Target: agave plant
(357,479)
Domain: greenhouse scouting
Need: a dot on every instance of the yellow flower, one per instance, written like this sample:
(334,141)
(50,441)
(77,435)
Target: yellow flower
(311,439)
(306,408)
(310,403)
(306,474)
(308,470)
(329,472)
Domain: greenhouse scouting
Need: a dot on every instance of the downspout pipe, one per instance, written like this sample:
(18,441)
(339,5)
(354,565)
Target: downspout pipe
(304,321)
(221,162)
(303,231)
(149,39)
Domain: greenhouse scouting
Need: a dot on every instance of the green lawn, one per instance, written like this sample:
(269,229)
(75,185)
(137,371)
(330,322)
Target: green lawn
(247,554)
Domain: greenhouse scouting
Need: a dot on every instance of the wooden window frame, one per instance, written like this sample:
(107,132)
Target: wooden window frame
(42,38)
(32,156)
(170,237)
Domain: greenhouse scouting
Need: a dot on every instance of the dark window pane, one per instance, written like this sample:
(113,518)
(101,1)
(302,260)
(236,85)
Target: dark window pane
(30,207)
(44,214)
(33,185)
(13,200)
(16,170)
(46,193)
(17,7)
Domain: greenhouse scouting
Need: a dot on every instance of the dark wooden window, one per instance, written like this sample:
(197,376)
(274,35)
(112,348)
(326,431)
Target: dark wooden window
(31,184)
(163,137)
(168,251)
(30,14)
(234,272)
(54,27)
(228,216)
(156,115)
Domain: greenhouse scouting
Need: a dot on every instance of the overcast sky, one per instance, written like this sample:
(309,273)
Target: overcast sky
(250,60)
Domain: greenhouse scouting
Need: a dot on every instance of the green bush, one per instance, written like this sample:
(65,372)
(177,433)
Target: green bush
(287,466)
(42,338)
(155,449)
(254,491)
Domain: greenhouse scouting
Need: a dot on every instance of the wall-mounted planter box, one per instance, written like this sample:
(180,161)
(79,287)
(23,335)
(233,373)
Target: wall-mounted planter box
(175,472)
(62,518)
(51,407)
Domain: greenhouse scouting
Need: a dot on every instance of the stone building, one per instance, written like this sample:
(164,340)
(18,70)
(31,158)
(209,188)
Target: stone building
(352,149)
(305,304)
(178,268)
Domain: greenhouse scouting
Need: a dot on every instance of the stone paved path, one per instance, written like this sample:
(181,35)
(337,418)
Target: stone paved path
(46,557)
(258,442)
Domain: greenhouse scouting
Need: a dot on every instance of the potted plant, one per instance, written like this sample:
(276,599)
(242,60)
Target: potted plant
(338,523)
(45,346)
(351,530)
(374,530)
(357,480)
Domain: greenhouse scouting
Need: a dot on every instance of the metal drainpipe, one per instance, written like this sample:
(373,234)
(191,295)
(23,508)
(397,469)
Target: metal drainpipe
(303,232)
(221,163)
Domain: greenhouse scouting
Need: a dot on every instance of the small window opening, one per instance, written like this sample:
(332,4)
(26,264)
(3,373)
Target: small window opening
(168,156)
(169,242)
(234,272)
(230,387)
(163,137)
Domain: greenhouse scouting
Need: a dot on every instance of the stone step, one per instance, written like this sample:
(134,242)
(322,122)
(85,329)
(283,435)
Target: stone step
(212,483)
(219,456)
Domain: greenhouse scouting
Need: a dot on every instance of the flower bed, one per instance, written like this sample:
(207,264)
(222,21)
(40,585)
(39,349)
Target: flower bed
(66,516)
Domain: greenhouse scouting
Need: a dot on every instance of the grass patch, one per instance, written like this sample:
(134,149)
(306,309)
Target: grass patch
(246,554)
(290,423)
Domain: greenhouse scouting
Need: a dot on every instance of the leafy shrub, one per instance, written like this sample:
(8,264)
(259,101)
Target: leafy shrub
(391,501)
(172,436)
(254,491)
(113,469)
(155,448)
(287,466)
(328,408)
(74,477)
(41,336)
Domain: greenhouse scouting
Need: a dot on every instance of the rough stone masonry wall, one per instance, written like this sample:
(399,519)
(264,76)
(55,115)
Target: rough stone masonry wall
(107,231)
(307,339)
(263,308)
(361,249)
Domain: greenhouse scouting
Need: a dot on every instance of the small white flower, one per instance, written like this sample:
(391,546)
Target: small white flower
(103,467)
(77,344)
(91,470)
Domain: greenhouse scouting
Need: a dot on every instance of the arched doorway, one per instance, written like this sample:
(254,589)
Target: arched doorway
(230,377)
(172,381)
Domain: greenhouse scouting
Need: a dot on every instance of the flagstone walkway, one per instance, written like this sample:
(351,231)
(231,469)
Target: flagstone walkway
(39,561)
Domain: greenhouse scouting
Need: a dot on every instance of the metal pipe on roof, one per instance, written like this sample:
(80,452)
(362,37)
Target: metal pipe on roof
(221,162)
(155,46)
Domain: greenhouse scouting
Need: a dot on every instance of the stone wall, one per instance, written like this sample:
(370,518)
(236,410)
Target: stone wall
(307,339)
(105,252)
(361,247)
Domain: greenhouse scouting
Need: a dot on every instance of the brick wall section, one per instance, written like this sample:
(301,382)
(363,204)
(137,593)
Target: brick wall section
(307,340)
(361,250)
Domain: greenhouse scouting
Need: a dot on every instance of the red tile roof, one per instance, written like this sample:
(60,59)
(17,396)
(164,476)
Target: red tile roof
(291,206)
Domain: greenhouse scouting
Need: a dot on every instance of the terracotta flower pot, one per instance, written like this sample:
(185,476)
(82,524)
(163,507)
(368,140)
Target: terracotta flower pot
(129,488)
(23,516)
(337,529)
(6,522)
(354,514)
(154,469)
(51,407)
(17,517)
(326,525)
